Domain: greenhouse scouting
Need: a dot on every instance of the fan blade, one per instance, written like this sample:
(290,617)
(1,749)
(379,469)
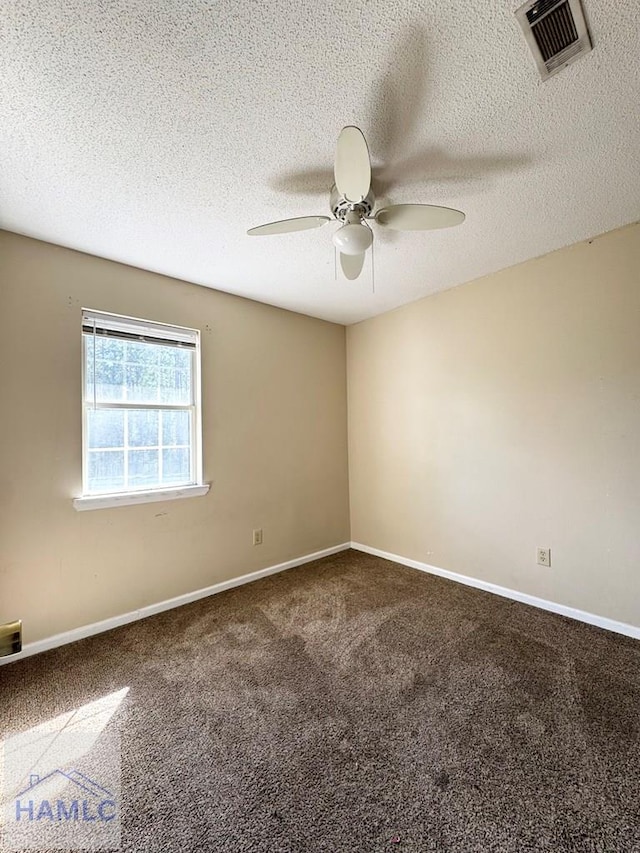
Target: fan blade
(352,265)
(352,170)
(284,226)
(418,217)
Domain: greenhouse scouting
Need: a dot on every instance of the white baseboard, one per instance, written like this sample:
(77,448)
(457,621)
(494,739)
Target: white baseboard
(525,598)
(151,609)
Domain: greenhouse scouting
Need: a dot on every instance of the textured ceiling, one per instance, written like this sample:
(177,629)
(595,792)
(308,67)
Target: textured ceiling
(156,133)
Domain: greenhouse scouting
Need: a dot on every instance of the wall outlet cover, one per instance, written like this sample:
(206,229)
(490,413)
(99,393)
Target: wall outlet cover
(544,556)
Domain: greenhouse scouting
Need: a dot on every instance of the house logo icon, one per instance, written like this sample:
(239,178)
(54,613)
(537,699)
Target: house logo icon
(92,802)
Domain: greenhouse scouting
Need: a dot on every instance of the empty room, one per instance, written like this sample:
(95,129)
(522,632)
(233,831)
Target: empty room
(320,458)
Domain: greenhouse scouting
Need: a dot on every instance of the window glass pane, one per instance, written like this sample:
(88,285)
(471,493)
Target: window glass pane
(106,370)
(175,385)
(175,466)
(88,366)
(105,471)
(110,349)
(108,379)
(143,468)
(139,353)
(143,427)
(136,372)
(176,428)
(175,357)
(105,428)
(142,383)
(183,358)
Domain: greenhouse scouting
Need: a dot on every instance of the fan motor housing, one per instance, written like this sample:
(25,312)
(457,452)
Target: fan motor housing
(340,206)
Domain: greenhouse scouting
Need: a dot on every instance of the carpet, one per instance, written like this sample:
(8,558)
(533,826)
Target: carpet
(356,705)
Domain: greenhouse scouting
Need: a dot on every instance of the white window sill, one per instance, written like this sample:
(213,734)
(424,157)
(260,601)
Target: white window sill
(128,498)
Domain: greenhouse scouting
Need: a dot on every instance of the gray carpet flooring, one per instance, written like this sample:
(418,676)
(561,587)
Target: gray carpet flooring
(356,705)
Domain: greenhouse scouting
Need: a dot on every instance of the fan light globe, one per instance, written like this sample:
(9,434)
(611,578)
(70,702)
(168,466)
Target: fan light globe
(352,239)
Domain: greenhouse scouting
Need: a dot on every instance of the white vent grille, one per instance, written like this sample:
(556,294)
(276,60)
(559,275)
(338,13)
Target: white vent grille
(556,33)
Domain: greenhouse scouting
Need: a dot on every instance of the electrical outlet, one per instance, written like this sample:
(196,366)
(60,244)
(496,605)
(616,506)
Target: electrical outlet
(544,556)
(257,536)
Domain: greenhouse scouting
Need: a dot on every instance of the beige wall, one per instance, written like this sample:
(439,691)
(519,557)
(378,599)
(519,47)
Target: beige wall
(275,445)
(484,422)
(504,415)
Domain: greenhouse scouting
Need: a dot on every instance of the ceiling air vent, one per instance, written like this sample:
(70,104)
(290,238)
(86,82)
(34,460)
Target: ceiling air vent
(555,31)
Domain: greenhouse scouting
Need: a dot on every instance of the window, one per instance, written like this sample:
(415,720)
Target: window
(141,411)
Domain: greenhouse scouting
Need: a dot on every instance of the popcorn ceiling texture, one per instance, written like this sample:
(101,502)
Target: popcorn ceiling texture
(157,133)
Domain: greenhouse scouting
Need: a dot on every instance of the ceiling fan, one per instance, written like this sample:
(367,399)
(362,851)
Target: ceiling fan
(352,202)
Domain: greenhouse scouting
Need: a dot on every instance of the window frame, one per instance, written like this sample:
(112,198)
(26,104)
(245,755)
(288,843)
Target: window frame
(197,486)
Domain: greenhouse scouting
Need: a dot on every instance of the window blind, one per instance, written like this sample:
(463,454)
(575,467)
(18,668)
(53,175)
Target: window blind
(127,328)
